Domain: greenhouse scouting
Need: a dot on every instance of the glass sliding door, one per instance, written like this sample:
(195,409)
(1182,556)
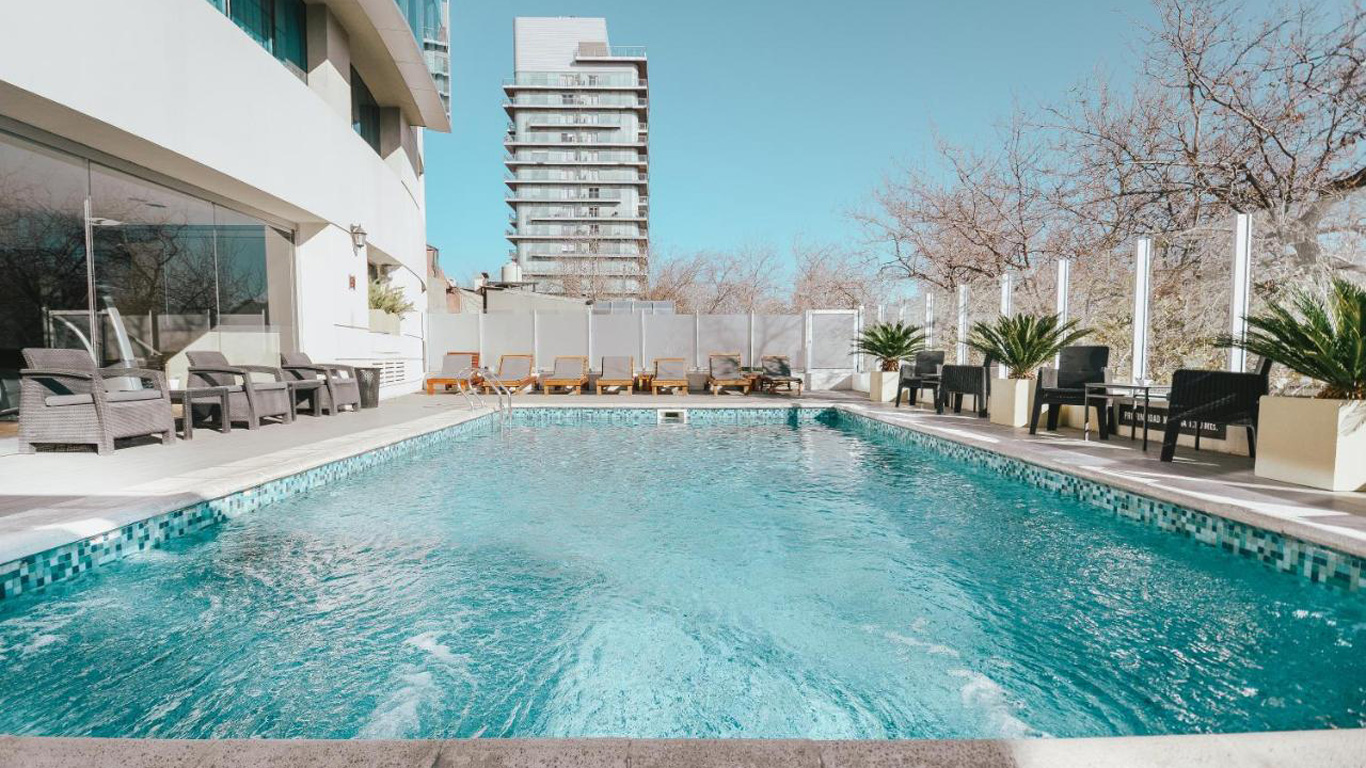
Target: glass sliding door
(156,285)
(44,293)
(255,320)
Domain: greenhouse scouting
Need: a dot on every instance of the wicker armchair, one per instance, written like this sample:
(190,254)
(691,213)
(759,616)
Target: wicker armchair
(340,385)
(250,400)
(1066,385)
(921,375)
(65,399)
(1214,397)
(958,380)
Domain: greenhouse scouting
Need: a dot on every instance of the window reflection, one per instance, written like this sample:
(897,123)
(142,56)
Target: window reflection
(171,272)
(43,278)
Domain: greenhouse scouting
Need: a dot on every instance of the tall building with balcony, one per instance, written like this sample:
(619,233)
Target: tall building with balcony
(223,175)
(578,159)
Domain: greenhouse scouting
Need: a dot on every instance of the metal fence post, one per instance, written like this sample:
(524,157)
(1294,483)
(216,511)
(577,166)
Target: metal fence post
(1242,279)
(535,340)
(962,346)
(929,320)
(1063,305)
(1143,265)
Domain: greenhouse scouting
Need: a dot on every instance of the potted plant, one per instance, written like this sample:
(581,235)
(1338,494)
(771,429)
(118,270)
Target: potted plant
(1317,441)
(890,343)
(388,305)
(1021,343)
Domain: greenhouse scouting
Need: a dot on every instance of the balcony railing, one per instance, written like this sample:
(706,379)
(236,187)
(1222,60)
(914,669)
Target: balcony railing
(575,80)
(600,51)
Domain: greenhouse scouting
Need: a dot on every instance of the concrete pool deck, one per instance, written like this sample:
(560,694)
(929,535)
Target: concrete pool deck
(1321,749)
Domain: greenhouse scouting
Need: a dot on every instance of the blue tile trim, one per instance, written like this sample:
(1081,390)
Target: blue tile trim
(69,560)
(642,416)
(1284,553)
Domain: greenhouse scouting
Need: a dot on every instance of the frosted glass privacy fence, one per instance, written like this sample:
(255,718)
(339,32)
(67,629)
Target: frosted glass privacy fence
(1160,302)
(814,341)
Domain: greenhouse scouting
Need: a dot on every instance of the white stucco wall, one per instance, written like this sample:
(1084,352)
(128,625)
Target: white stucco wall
(173,86)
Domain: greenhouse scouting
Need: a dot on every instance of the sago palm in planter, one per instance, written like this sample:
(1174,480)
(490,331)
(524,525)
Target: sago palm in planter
(890,343)
(1318,441)
(1023,344)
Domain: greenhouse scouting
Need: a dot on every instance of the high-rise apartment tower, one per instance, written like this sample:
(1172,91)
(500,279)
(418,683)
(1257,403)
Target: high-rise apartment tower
(578,159)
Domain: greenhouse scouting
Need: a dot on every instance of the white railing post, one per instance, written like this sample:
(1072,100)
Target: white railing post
(589,319)
(806,341)
(962,347)
(1143,265)
(858,332)
(535,340)
(1007,306)
(1063,306)
(751,340)
(929,320)
(1242,280)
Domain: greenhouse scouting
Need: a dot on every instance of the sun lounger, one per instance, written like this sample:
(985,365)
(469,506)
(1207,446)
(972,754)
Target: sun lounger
(670,373)
(618,372)
(777,372)
(724,371)
(514,373)
(458,369)
(568,373)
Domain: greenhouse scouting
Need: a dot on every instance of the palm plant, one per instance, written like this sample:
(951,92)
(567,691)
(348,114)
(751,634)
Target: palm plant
(1022,343)
(1322,337)
(890,343)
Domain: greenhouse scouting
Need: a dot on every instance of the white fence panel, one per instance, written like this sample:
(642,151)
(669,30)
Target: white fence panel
(450,333)
(781,335)
(722,333)
(616,335)
(506,333)
(832,337)
(561,334)
(670,336)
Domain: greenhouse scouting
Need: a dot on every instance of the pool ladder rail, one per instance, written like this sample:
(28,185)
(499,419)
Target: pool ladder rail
(473,398)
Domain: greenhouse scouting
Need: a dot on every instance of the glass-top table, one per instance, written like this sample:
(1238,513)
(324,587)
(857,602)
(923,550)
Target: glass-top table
(1115,391)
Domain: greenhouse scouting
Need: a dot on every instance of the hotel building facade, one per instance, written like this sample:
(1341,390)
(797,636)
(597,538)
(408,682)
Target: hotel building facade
(227,175)
(578,159)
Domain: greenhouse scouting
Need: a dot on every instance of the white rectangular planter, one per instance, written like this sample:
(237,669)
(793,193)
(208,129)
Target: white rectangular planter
(1318,443)
(882,386)
(383,322)
(1010,401)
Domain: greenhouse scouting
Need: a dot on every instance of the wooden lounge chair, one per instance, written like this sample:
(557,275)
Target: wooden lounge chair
(618,371)
(569,373)
(724,371)
(458,369)
(514,373)
(777,372)
(670,373)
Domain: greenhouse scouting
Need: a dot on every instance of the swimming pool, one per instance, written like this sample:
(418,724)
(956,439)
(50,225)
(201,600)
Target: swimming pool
(783,580)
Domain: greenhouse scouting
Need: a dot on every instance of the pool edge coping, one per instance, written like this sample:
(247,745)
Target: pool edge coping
(1329,748)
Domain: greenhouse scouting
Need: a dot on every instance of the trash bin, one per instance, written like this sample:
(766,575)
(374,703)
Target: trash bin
(368,379)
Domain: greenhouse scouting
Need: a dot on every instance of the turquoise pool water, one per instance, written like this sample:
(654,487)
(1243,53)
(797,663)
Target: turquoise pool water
(680,581)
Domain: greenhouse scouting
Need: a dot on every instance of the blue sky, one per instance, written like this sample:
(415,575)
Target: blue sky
(769,120)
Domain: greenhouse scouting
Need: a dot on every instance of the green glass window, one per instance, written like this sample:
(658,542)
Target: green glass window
(364,111)
(279,26)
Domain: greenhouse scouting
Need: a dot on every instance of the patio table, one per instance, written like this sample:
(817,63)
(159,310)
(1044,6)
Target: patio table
(311,388)
(1109,391)
(187,397)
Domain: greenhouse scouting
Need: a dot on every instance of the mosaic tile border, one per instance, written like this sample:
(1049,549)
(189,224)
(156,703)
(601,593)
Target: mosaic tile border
(646,415)
(1315,562)
(69,560)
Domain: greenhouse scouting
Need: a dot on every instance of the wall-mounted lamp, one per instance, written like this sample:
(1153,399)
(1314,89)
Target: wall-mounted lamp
(358,236)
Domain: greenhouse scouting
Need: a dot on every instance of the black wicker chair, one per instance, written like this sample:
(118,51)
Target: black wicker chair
(249,400)
(1066,385)
(921,375)
(340,385)
(65,399)
(958,381)
(1225,398)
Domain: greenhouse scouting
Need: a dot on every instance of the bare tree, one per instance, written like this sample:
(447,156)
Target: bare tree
(832,277)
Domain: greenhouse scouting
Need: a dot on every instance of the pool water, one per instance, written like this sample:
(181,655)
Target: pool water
(680,581)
